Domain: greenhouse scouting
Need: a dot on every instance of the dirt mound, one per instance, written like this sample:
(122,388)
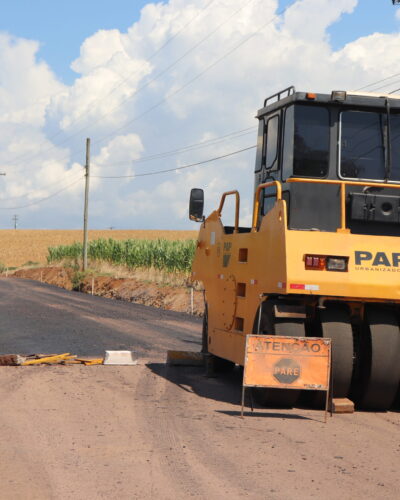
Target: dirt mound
(172,298)
(58,276)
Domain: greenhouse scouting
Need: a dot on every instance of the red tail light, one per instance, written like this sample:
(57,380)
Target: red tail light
(317,262)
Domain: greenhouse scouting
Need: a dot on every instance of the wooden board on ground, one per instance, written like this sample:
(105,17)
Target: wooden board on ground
(185,358)
(342,405)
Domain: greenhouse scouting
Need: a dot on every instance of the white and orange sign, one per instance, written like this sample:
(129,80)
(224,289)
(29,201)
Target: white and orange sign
(287,362)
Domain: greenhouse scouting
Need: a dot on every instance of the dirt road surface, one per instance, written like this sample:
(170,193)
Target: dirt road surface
(152,431)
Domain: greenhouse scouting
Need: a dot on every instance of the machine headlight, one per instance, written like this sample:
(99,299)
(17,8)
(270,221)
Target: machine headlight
(336,264)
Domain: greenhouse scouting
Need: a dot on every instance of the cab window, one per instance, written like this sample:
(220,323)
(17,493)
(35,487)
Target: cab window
(306,141)
(362,145)
(271,143)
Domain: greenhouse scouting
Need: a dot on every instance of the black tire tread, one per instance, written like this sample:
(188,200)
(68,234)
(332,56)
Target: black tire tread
(381,352)
(335,324)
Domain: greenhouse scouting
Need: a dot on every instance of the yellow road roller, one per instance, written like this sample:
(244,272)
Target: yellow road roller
(322,255)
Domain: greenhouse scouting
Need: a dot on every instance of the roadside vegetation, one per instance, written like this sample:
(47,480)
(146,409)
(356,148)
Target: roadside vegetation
(171,256)
(17,247)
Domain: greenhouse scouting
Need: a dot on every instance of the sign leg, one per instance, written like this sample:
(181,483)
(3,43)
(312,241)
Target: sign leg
(329,392)
(241,414)
(251,399)
(327,398)
(330,384)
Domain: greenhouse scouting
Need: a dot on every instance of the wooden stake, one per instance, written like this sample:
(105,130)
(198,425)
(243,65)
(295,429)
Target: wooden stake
(85,213)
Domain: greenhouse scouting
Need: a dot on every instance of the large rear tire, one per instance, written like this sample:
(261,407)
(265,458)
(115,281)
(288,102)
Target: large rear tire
(335,325)
(380,366)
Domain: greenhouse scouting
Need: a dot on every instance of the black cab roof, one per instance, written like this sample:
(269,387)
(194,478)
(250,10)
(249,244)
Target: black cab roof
(337,97)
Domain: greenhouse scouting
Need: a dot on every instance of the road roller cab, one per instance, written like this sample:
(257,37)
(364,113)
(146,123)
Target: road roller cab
(322,254)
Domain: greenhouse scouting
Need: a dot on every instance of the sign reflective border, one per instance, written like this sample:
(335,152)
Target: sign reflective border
(287,362)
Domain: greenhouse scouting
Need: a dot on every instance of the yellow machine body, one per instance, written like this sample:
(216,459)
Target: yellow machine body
(237,269)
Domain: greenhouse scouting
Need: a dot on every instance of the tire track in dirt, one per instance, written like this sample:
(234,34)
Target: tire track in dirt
(194,461)
(184,478)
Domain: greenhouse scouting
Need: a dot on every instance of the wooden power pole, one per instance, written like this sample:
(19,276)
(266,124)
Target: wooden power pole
(85,211)
(15,219)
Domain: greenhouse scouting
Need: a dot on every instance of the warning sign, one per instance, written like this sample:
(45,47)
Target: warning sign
(287,370)
(287,362)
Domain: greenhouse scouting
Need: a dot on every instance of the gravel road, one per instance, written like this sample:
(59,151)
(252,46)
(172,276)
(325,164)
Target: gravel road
(152,431)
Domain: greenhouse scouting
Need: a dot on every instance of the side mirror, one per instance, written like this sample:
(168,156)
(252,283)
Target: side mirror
(196,205)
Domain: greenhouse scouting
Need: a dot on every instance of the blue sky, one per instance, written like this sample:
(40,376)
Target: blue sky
(368,17)
(61,27)
(136,107)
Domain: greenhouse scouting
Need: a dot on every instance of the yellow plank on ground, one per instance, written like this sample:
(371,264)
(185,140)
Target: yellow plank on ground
(98,361)
(188,358)
(49,359)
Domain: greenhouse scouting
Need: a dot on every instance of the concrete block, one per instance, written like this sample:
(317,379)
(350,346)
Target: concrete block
(120,358)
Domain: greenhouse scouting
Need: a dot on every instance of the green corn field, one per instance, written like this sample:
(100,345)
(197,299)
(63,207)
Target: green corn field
(161,254)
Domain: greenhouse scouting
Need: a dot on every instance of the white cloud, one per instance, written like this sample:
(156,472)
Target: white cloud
(26,84)
(308,20)
(376,55)
(98,50)
(120,102)
(121,149)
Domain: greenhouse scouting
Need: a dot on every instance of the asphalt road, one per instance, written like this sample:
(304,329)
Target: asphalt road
(153,431)
(40,318)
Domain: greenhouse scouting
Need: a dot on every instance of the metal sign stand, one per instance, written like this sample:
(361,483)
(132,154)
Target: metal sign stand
(251,400)
(329,397)
(243,389)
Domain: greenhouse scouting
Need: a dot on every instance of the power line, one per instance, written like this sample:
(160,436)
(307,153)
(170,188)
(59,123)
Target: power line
(378,81)
(196,77)
(176,168)
(165,154)
(385,85)
(189,82)
(42,187)
(150,58)
(238,133)
(184,149)
(149,82)
(123,80)
(46,197)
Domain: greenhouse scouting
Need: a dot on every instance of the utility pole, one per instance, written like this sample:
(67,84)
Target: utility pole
(15,219)
(85,211)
